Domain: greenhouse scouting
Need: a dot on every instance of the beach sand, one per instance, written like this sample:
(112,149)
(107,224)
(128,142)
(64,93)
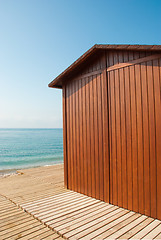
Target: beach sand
(24,184)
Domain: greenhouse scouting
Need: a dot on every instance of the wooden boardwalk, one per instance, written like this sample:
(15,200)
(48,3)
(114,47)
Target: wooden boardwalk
(17,224)
(40,193)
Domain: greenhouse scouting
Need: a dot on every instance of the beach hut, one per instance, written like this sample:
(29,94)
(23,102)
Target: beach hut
(112,125)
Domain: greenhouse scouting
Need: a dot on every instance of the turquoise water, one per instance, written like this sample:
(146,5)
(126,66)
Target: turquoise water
(25,148)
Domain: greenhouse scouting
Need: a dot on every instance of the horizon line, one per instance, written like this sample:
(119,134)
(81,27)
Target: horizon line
(29,128)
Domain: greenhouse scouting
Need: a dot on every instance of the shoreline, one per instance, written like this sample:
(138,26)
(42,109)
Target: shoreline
(7,172)
(12,172)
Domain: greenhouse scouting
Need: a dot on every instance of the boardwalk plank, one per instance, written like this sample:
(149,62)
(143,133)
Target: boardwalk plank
(65,229)
(153,233)
(146,230)
(95,225)
(74,215)
(85,218)
(136,229)
(127,227)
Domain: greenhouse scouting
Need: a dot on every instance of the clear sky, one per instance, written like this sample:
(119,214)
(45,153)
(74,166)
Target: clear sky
(40,38)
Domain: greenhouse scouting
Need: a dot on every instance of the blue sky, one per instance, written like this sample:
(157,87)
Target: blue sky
(40,38)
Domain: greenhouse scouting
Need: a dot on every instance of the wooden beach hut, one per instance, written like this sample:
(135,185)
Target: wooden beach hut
(112,125)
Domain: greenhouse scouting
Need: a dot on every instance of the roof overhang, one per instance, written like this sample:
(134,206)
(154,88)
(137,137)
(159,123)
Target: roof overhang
(58,81)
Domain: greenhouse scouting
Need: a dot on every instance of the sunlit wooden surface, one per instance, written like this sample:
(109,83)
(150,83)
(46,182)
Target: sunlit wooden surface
(35,205)
(17,224)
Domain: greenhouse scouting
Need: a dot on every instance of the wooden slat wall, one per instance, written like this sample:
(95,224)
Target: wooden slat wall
(112,124)
(87,133)
(135,134)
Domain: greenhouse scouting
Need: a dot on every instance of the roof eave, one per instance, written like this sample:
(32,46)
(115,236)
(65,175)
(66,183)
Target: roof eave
(56,82)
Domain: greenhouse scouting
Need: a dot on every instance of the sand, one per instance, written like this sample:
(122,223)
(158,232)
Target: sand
(31,183)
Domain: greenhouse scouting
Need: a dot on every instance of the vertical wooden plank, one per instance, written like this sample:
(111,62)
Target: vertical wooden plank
(90,67)
(105,110)
(110,63)
(92,137)
(95,66)
(142,54)
(159,160)
(118,138)
(160,76)
(77,134)
(75,174)
(125,56)
(84,136)
(136,55)
(152,139)
(123,138)
(81,137)
(130,55)
(115,57)
(140,140)
(113,161)
(128,138)
(96,135)
(68,135)
(98,64)
(110,141)
(65,138)
(110,59)
(71,134)
(134,139)
(157,99)
(88,146)
(120,57)
(100,135)
(145,139)
(126,153)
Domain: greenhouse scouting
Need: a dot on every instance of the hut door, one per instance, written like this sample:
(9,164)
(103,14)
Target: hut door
(135,136)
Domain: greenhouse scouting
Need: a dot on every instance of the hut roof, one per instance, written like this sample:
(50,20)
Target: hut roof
(58,81)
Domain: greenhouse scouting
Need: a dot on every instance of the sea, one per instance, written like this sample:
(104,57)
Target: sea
(28,148)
